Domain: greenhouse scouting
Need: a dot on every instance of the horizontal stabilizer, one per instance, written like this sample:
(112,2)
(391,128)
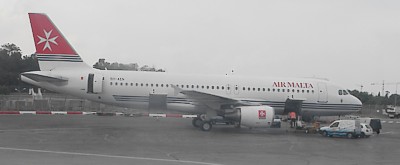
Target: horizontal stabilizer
(40,77)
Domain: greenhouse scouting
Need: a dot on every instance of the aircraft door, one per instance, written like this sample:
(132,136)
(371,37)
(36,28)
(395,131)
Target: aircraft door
(95,83)
(322,92)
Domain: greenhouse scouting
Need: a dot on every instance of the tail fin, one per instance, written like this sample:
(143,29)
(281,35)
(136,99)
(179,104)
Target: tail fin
(52,48)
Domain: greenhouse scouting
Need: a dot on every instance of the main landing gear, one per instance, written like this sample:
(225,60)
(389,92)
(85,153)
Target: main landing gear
(202,123)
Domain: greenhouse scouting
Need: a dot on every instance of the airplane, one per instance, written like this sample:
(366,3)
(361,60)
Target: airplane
(238,100)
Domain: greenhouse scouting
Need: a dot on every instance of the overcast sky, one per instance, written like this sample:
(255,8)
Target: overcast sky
(349,42)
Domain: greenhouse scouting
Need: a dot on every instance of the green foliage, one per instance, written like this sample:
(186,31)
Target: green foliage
(11,65)
(103,65)
(369,99)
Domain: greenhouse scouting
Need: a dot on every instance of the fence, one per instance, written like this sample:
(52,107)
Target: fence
(54,102)
(58,102)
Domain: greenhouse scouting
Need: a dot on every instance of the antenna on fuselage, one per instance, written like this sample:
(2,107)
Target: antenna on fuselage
(231,73)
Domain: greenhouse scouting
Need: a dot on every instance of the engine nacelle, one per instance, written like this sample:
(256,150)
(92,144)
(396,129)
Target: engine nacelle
(252,116)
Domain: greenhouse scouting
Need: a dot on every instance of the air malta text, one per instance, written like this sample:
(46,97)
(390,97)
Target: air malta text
(292,85)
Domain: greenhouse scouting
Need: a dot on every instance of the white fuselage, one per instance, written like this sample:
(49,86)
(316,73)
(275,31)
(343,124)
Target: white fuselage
(135,89)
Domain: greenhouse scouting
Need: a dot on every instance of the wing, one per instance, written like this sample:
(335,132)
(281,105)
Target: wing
(212,100)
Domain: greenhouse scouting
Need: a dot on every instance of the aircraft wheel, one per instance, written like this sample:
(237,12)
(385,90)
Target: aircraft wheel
(196,122)
(237,124)
(206,126)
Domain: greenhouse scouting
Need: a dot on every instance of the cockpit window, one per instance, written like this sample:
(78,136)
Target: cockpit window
(343,92)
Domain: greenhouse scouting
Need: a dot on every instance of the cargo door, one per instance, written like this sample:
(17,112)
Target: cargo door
(322,92)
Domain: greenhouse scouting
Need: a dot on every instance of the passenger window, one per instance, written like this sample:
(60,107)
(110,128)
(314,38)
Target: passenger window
(258,89)
(278,90)
(121,84)
(126,84)
(217,87)
(293,90)
(222,87)
(192,86)
(212,87)
(263,89)
(156,85)
(137,84)
(111,83)
(248,88)
(269,89)
(141,84)
(202,87)
(340,92)
(283,90)
(302,91)
(254,89)
(162,85)
(147,85)
(187,86)
(273,89)
(244,88)
(308,91)
(151,85)
(167,85)
(208,87)
(182,86)
(131,84)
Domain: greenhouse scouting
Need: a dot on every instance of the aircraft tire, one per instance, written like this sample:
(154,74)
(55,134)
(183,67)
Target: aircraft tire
(237,124)
(206,126)
(196,122)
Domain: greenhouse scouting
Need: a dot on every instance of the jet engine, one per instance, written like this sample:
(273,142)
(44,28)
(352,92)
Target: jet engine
(252,116)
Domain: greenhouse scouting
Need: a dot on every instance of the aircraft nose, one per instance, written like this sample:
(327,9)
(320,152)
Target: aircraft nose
(357,102)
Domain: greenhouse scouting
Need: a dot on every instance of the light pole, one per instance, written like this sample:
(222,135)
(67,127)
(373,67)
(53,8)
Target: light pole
(395,96)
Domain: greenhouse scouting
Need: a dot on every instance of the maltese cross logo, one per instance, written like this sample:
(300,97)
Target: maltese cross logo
(262,114)
(47,40)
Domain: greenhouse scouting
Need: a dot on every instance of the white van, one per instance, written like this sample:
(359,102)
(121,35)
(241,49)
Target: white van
(347,128)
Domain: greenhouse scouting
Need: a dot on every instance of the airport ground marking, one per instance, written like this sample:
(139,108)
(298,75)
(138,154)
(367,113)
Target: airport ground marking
(40,129)
(102,155)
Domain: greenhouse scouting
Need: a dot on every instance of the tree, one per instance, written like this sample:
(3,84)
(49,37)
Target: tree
(103,65)
(12,65)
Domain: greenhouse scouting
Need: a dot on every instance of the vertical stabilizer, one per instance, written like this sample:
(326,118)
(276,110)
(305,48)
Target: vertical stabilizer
(52,48)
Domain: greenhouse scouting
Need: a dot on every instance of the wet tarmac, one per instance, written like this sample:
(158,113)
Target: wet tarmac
(104,140)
